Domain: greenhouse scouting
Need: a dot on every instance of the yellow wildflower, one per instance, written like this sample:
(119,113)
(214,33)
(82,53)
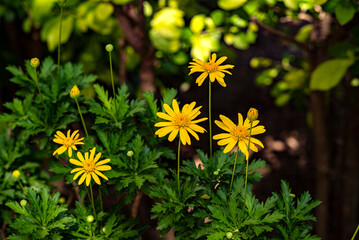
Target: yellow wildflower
(89,166)
(211,68)
(238,134)
(68,142)
(180,121)
(75,92)
(16,173)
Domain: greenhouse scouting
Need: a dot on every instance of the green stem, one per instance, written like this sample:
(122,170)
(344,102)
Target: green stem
(178,163)
(113,85)
(100,193)
(249,142)
(92,202)
(355,233)
(38,88)
(22,187)
(59,44)
(234,169)
(210,117)
(90,230)
(82,119)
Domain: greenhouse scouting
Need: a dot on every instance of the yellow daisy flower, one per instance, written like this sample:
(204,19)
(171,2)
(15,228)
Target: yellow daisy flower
(90,167)
(68,142)
(238,134)
(211,68)
(180,121)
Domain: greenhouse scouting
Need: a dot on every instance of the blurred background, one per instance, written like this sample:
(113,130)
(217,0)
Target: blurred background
(296,61)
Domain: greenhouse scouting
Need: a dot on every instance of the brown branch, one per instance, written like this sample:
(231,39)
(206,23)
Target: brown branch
(2,231)
(130,28)
(77,193)
(123,58)
(136,203)
(278,33)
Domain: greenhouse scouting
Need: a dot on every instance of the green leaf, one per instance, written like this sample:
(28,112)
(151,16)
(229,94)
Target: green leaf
(329,73)
(344,12)
(291,4)
(197,23)
(230,4)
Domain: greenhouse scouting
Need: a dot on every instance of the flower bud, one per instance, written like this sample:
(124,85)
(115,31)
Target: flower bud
(130,153)
(103,229)
(252,114)
(229,235)
(216,172)
(23,202)
(34,62)
(109,47)
(62,200)
(90,218)
(75,92)
(292,195)
(16,173)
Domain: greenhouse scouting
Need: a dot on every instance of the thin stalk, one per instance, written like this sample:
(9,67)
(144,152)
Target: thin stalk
(38,88)
(82,119)
(59,44)
(113,85)
(355,233)
(100,193)
(210,117)
(249,142)
(22,187)
(90,230)
(92,202)
(178,163)
(234,169)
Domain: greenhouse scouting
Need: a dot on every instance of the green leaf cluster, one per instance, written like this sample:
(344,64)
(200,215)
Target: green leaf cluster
(41,218)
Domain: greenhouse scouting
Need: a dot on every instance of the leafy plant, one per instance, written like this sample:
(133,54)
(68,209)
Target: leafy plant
(42,218)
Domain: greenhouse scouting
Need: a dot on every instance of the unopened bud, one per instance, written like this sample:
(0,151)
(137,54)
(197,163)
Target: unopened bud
(34,62)
(90,218)
(75,92)
(130,153)
(16,173)
(252,114)
(23,203)
(229,235)
(62,200)
(109,47)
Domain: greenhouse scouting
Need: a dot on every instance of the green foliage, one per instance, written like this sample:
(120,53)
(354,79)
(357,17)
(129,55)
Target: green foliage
(329,73)
(296,214)
(106,226)
(28,113)
(43,217)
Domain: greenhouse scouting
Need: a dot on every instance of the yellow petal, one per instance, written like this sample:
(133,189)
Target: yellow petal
(76,170)
(256,141)
(228,66)
(183,136)
(221,60)
(101,174)
(80,157)
(163,124)
(229,147)
(86,155)
(60,134)
(164,116)
(164,131)
(95,177)
(258,130)
(78,174)
(173,135)
(226,141)
(60,150)
(197,128)
(59,141)
(68,133)
(227,122)
(83,177)
(198,61)
(88,179)
(221,135)
(221,125)
(103,162)
(213,57)
(97,157)
(194,134)
(240,119)
(243,147)
(74,133)
(199,120)
(69,150)
(76,162)
(92,153)
(212,77)
(175,106)
(169,110)
(201,78)
(103,168)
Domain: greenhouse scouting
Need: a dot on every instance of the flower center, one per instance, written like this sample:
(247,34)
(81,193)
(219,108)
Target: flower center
(89,165)
(241,132)
(68,142)
(181,120)
(210,67)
